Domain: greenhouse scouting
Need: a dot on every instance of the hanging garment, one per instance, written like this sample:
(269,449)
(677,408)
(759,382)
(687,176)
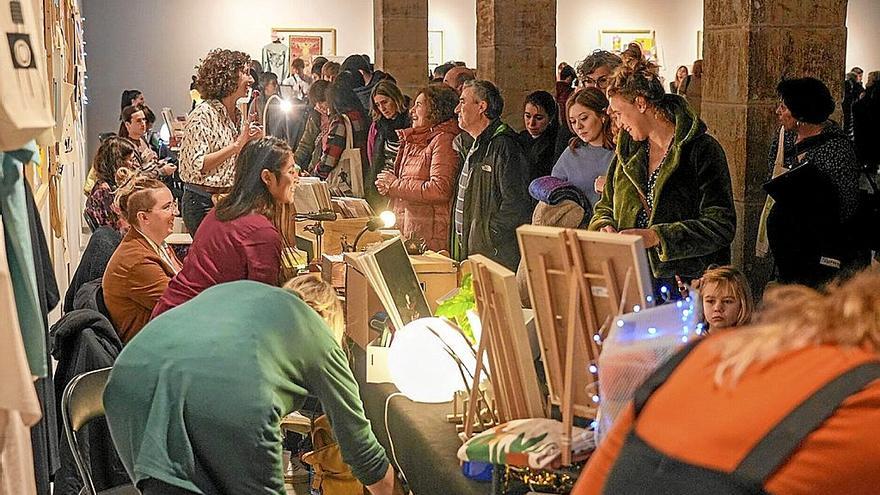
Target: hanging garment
(44,435)
(24,94)
(275,59)
(19,250)
(19,406)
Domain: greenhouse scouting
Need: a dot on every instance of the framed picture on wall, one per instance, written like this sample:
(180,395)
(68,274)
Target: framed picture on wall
(435,49)
(308,43)
(699,45)
(616,40)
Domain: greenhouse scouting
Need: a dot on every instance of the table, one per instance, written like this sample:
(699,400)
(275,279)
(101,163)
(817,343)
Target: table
(424,442)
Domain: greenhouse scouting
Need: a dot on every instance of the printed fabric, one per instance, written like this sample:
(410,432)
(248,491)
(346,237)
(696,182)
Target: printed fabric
(208,129)
(532,443)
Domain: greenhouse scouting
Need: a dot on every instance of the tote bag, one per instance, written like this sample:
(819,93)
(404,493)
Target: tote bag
(24,94)
(348,176)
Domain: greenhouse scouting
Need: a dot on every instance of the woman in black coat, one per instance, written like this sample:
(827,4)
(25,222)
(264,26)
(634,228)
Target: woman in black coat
(541,119)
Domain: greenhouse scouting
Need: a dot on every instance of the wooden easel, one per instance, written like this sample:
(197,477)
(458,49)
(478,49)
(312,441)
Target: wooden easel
(506,342)
(569,271)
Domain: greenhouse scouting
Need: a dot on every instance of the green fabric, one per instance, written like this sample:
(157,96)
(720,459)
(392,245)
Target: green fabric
(20,254)
(196,398)
(693,212)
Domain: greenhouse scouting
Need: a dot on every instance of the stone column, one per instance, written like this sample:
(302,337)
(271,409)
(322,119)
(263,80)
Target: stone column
(516,49)
(748,48)
(401,32)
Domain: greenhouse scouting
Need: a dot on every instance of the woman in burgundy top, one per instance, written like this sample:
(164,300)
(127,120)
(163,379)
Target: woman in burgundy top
(237,240)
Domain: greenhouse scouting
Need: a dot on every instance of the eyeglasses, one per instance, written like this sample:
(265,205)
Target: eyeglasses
(599,82)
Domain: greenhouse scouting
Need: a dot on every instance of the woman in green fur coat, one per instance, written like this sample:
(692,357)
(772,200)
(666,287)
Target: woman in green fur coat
(668,181)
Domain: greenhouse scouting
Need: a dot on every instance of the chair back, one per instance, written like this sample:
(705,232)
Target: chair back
(81,402)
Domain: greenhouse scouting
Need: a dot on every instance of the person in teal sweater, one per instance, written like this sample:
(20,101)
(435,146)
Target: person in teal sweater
(195,400)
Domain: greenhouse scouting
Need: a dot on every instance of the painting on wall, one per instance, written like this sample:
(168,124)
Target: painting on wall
(308,43)
(616,40)
(435,49)
(699,45)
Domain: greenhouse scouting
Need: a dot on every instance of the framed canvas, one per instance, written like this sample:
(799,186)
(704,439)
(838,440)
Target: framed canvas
(699,45)
(308,43)
(435,49)
(616,40)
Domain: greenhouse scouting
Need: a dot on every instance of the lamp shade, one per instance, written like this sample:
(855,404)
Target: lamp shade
(420,364)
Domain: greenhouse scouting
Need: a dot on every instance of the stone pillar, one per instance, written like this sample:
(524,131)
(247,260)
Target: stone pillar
(401,32)
(516,49)
(748,48)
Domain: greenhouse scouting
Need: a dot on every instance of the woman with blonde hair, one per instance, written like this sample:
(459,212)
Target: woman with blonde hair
(142,265)
(195,400)
(788,406)
(668,182)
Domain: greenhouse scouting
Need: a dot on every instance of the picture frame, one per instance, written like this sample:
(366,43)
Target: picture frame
(616,41)
(699,45)
(307,43)
(435,49)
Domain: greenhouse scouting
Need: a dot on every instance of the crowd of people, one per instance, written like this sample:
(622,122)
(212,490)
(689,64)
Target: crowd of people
(626,154)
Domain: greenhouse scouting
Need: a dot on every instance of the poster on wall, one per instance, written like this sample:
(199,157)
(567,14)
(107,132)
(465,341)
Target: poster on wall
(308,43)
(435,49)
(616,40)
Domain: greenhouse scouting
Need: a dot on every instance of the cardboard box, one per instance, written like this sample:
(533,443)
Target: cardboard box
(437,274)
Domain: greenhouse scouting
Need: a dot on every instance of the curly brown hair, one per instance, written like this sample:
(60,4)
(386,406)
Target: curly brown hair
(442,101)
(218,73)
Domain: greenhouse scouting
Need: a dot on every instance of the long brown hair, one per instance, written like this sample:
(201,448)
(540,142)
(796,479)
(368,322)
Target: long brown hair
(794,317)
(249,193)
(595,100)
(111,155)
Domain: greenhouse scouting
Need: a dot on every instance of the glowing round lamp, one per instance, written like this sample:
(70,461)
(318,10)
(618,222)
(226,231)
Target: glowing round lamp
(420,364)
(388,219)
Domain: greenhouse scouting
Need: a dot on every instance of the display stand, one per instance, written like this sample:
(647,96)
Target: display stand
(505,340)
(578,281)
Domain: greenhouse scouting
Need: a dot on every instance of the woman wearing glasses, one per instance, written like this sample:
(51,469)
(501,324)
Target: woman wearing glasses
(142,265)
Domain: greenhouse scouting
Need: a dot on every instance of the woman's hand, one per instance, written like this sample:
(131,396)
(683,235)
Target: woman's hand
(384,181)
(387,485)
(649,237)
(253,132)
(609,229)
(599,184)
(168,169)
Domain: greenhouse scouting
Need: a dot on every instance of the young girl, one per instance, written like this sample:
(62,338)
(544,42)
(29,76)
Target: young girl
(727,298)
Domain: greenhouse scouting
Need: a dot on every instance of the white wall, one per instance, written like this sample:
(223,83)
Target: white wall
(863,40)
(154,45)
(675,24)
(458,21)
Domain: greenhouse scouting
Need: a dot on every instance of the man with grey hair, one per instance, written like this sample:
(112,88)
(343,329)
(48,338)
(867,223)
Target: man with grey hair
(492,199)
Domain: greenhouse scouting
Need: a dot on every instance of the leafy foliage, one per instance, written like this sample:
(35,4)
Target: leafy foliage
(456,307)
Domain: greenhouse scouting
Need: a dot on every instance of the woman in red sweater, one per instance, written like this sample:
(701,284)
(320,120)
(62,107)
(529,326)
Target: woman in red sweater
(237,240)
(788,406)
(421,185)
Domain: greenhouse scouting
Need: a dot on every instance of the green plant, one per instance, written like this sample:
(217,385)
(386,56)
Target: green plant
(456,307)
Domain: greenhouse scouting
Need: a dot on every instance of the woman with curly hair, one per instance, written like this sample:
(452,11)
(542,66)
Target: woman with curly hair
(788,405)
(668,182)
(212,138)
(113,154)
(421,186)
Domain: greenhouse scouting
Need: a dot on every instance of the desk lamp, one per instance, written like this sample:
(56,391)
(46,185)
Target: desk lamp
(385,220)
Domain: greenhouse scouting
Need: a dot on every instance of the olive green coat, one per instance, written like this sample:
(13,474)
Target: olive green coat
(693,212)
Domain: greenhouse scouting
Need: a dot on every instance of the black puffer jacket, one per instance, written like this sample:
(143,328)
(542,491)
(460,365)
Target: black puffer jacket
(84,340)
(497,200)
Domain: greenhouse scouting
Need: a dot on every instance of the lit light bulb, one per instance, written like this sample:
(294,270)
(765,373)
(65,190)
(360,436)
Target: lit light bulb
(664,289)
(636,308)
(678,304)
(684,339)
(652,331)
(593,368)
(620,323)
(596,399)
(388,219)
(597,339)
(650,299)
